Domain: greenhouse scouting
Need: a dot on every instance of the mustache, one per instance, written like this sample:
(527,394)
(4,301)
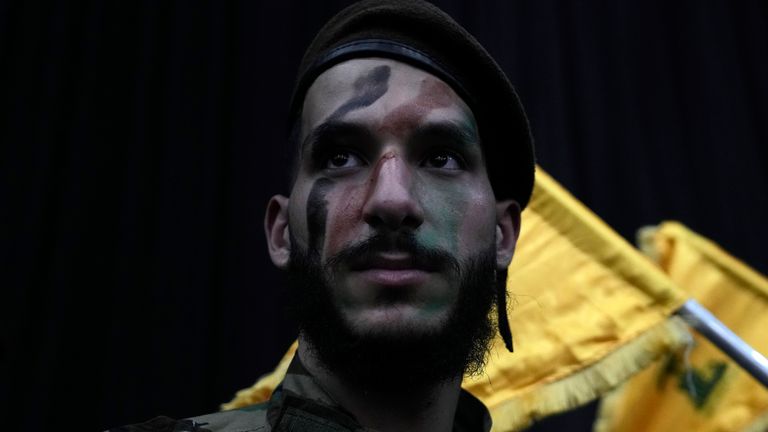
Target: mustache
(421,256)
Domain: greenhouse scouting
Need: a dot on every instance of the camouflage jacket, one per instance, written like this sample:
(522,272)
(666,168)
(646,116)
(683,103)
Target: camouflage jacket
(299,404)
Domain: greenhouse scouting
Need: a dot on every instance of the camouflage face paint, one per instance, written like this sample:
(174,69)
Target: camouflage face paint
(433,94)
(317,213)
(367,90)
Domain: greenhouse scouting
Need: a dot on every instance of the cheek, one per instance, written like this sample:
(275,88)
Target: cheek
(465,219)
(477,231)
(344,217)
(317,211)
(454,219)
(443,207)
(297,219)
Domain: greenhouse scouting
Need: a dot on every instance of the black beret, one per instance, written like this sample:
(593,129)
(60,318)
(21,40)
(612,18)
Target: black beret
(420,34)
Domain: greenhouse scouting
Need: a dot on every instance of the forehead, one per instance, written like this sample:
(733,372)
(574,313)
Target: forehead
(376,91)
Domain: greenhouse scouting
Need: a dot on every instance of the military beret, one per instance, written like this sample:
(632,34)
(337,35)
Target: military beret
(418,33)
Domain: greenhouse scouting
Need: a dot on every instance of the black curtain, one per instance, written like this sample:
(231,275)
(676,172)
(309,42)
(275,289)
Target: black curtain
(140,141)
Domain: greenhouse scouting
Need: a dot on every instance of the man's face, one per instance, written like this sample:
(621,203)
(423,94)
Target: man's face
(392,197)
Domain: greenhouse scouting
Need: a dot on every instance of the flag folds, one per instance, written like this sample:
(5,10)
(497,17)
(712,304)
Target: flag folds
(700,389)
(587,311)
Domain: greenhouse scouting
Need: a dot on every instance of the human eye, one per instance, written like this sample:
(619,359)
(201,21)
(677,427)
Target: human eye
(444,159)
(339,159)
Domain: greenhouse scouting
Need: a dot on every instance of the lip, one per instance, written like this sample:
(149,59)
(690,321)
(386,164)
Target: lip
(395,277)
(392,269)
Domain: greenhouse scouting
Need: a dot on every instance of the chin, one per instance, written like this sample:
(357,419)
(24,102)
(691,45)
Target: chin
(396,320)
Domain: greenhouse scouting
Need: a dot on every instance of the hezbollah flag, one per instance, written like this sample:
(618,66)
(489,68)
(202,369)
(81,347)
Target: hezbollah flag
(699,389)
(588,312)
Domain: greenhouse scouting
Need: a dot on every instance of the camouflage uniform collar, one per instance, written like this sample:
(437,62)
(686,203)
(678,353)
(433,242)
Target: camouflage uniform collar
(300,403)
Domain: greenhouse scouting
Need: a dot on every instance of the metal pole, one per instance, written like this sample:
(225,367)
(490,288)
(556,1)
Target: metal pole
(711,328)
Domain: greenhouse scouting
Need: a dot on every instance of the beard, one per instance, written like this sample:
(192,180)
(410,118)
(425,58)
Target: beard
(387,359)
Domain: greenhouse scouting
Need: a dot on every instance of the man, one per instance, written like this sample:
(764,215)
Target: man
(413,162)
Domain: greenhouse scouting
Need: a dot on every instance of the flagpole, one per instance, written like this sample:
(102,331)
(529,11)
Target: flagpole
(711,328)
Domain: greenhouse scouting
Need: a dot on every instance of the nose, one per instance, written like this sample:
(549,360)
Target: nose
(390,202)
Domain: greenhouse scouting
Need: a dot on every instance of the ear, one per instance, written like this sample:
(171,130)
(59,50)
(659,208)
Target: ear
(507,231)
(277,231)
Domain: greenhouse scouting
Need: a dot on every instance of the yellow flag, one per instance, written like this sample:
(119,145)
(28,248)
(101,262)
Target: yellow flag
(588,311)
(700,389)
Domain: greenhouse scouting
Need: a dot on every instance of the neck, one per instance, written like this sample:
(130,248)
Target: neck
(429,407)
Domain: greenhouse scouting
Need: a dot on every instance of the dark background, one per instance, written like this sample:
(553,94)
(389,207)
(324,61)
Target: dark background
(140,141)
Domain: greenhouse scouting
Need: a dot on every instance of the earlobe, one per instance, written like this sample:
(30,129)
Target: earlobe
(277,231)
(507,231)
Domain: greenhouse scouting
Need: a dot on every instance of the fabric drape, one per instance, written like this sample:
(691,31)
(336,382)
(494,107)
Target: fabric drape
(699,389)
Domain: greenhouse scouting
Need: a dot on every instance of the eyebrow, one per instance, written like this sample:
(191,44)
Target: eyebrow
(333,129)
(454,132)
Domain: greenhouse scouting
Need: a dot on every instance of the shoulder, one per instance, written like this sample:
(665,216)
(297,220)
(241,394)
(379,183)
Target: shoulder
(252,418)
(247,419)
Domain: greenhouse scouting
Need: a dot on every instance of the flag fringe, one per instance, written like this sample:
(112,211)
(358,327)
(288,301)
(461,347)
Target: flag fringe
(759,425)
(593,381)
(557,396)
